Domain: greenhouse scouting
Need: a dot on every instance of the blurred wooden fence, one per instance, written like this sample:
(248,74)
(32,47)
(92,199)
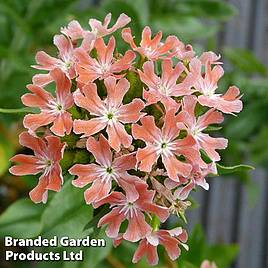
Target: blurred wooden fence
(225,211)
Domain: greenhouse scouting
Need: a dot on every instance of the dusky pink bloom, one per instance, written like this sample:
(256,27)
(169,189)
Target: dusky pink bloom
(101,29)
(75,31)
(151,48)
(165,143)
(133,212)
(209,57)
(53,109)
(165,87)
(109,113)
(208,264)
(197,177)
(208,83)
(46,160)
(196,126)
(182,51)
(170,239)
(107,170)
(89,69)
(65,61)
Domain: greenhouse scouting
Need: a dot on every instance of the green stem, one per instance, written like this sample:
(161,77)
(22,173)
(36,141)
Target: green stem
(14,111)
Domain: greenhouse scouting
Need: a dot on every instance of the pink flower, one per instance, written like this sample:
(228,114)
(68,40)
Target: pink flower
(89,69)
(65,62)
(46,160)
(207,84)
(74,30)
(152,49)
(107,170)
(53,110)
(209,57)
(165,143)
(133,212)
(182,51)
(208,264)
(110,113)
(196,126)
(164,88)
(186,185)
(170,239)
(99,29)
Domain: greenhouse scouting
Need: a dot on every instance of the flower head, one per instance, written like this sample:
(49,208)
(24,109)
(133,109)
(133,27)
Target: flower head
(89,69)
(75,31)
(46,160)
(170,239)
(109,113)
(133,212)
(208,83)
(65,61)
(165,143)
(53,109)
(107,170)
(152,49)
(197,177)
(196,126)
(164,88)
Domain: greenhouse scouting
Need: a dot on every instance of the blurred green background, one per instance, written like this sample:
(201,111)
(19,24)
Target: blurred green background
(223,220)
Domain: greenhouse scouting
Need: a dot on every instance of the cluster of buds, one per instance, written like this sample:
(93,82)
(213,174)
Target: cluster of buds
(142,118)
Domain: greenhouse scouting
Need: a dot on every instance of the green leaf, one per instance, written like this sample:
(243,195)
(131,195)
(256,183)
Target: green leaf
(215,9)
(21,219)
(212,128)
(67,214)
(205,157)
(222,170)
(187,264)
(94,221)
(200,250)
(245,60)
(259,147)
(6,151)
(93,255)
(186,28)
(222,255)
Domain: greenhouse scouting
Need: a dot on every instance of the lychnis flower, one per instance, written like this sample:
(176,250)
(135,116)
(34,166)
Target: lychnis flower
(165,143)
(133,212)
(109,113)
(170,239)
(46,160)
(208,83)
(196,126)
(75,31)
(65,61)
(89,69)
(152,49)
(164,88)
(107,170)
(53,109)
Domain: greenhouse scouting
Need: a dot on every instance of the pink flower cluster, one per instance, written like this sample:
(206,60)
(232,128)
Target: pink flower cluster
(146,150)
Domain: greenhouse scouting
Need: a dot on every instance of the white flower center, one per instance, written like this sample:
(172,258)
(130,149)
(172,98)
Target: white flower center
(55,107)
(129,209)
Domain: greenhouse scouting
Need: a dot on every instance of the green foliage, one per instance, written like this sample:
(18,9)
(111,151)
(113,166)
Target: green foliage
(222,170)
(72,213)
(27,26)
(245,61)
(199,250)
(21,219)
